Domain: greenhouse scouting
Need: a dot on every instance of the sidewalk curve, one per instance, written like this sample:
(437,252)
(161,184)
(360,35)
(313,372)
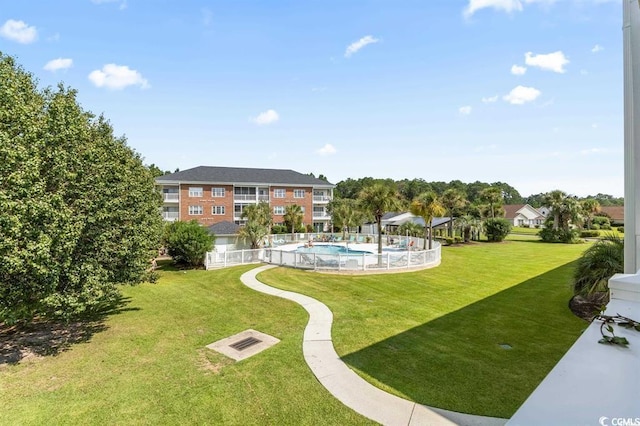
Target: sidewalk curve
(344,384)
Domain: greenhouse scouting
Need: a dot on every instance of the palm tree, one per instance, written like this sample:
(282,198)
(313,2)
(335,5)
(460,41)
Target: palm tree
(344,213)
(590,207)
(293,216)
(597,264)
(376,200)
(452,200)
(410,228)
(492,197)
(564,209)
(258,224)
(427,206)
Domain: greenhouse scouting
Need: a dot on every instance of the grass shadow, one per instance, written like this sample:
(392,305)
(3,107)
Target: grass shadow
(40,338)
(485,358)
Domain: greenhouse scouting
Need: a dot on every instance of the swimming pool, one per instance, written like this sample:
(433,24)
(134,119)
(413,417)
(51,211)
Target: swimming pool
(329,249)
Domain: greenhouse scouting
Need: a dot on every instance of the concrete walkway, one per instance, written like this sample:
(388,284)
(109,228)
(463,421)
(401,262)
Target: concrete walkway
(349,388)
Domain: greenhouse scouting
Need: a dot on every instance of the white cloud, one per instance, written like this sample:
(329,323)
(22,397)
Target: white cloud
(328,149)
(267,117)
(521,94)
(591,151)
(117,77)
(123,3)
(207,17)
(491,147)
(504,5)
(465,110)
(19,31)
(597,48)
(490,99)
(508,6)
(58,64)
(550,62)
(518,70)
(594,126)
(357,45)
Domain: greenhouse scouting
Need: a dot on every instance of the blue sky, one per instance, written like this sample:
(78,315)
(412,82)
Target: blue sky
(527,92)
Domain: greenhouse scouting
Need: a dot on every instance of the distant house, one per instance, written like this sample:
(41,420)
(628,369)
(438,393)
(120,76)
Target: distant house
(524,215)
(615,213)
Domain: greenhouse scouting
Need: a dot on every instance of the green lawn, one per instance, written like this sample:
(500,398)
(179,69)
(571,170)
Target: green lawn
(430,336)
(525,231)
(433,336)
(149,366)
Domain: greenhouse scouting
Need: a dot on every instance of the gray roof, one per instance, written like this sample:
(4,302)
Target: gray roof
(223,228)
(238,175)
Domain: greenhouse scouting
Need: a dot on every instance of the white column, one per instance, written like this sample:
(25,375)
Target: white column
(631,39)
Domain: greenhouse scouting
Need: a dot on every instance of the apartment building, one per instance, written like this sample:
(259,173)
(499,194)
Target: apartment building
(217,194)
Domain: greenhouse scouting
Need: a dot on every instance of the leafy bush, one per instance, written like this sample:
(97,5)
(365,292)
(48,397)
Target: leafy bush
(595,226)
(497,229)
(601,220)
(457,239)
(589,234)
(606,227)
(448,241)
(621,229)
(279,229)
(597,264)
(550,235)
(188,242)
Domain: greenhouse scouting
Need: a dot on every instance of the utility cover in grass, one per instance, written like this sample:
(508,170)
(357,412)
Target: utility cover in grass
(243,345)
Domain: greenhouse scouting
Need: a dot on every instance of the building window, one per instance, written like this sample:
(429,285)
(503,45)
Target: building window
(298,193)
(195,191)
(195,210)
(279,193)
(278,210)
(217,210)
(217,192)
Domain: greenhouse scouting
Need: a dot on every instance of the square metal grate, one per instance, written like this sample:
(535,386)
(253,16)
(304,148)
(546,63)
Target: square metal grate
(245,343)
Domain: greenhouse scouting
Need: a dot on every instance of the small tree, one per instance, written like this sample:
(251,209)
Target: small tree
(292,217)
(427,206)
(188,242)
(497,229)
(376,200)
(258,224)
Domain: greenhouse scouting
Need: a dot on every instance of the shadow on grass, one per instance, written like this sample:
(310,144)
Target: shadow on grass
(485,358)
(49,338)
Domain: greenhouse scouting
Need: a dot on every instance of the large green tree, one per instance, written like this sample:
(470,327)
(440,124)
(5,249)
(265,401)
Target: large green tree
(427,205)
(188,242)
(565,211)
(79,212)
(375,201)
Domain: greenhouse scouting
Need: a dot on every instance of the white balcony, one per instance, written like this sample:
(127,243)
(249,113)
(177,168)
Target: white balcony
(263,198)
(171,197)
(321,215)
(170,216)
(245,197)
(321,198)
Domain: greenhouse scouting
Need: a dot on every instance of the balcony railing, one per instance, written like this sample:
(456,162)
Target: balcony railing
(263,198)
(170,197)
(245,197)
(170,216)
(321,199)
(321,215)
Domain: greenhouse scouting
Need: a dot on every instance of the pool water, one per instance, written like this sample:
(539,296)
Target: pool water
(329,249)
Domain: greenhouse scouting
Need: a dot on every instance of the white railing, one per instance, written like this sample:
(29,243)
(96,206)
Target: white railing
(318,215)
(245,197)
(170,216)
(321,199)
(400,256)
(171,197)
